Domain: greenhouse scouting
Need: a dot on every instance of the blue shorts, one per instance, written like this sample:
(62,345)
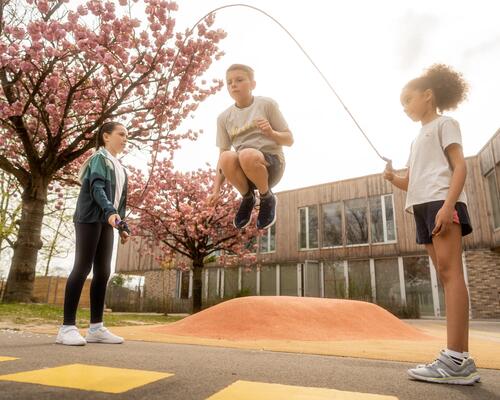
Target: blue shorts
(425,217)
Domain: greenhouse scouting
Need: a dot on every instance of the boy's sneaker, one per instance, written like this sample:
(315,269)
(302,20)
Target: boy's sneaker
(102,335)
(445,370)
(244,215)
(267,211)
(70,336)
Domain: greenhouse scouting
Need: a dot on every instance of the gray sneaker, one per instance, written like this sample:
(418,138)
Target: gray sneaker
(445,370)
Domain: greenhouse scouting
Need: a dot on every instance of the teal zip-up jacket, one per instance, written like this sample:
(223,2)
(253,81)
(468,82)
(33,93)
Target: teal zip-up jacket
(97,194)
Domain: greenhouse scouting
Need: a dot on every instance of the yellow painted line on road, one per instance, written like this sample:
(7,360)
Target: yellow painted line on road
(7,358)
(245,390)
(88,377)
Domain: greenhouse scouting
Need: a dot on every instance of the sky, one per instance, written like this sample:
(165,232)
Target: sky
(367,50)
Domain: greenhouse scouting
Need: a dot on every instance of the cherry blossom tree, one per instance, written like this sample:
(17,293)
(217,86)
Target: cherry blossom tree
(175,214)
(65,69)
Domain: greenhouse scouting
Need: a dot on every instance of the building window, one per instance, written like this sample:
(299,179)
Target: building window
(387,283)
(288,280)
(251,245)
(383,227)
(332,224)
(360,283)
(494,189)
(308,227)
(356,216)
(249,281)
(268,240)
(418,285)
(268,280)
(311,279)
(335,282)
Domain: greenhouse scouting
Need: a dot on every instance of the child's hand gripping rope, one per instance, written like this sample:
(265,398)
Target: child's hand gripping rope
(389,171)
(123,230)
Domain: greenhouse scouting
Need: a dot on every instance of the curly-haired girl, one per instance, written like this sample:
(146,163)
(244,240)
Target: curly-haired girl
(434,182)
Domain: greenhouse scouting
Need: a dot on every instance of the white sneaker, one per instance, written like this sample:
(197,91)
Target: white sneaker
(70,336)
(103,335)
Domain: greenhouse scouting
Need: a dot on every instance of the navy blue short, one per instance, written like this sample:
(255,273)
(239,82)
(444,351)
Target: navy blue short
(275,170)
(425,217)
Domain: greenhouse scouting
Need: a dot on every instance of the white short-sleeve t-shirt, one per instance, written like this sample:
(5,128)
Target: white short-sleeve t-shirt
(236,127)
(430,171)
(120,178)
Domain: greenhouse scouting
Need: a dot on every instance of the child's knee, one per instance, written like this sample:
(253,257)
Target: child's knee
(250,158)
(228,159)
(448,269)
(85,271)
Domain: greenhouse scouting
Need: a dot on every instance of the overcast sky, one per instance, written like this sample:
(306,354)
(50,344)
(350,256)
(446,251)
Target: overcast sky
(368,50)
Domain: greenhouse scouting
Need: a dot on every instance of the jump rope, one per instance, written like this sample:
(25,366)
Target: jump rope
(122,225)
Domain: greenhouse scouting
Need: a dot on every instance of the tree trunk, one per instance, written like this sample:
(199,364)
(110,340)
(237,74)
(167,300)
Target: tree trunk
(197,284)
(21,278)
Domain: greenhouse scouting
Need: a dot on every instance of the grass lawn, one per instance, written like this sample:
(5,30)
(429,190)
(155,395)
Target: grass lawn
(44,314)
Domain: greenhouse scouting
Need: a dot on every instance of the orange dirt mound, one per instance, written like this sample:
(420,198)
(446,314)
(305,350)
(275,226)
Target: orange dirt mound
(293,318)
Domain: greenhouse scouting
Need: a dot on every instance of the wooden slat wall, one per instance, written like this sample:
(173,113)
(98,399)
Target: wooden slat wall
(475,188)
(490,150)
(135,257)
(51,290)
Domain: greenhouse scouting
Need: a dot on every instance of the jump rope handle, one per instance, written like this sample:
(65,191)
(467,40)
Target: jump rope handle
(388,163)
(122,226)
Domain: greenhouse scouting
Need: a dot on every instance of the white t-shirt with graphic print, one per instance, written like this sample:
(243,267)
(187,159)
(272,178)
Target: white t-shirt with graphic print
(430,171)
(236,127)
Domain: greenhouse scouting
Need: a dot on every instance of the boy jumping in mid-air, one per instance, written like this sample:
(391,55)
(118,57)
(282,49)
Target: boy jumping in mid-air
(256,129)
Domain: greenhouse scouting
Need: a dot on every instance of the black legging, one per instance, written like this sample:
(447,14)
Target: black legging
(94,245)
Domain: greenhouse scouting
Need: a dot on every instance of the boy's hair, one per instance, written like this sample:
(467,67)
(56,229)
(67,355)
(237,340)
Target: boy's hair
(448,86)
(242,67)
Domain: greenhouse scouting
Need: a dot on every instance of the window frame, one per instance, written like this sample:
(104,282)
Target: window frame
(384,220)
(342,227)
(267,237)
(366,199)
(306,208)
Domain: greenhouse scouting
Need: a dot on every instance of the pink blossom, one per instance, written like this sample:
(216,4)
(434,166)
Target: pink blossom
(43,6)
(82,10)
(26,66)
